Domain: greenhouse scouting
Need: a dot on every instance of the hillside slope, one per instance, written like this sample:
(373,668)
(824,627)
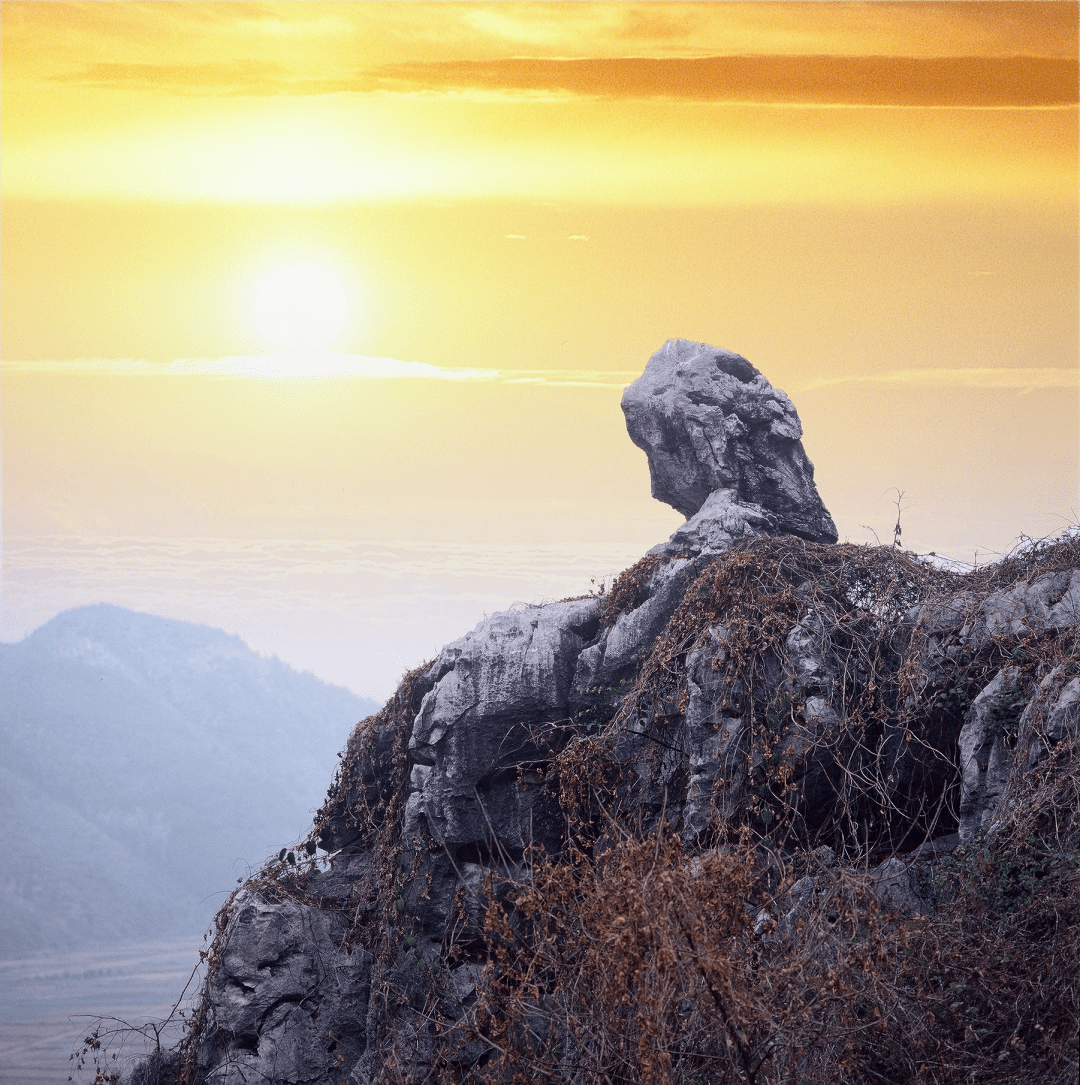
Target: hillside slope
(148,764)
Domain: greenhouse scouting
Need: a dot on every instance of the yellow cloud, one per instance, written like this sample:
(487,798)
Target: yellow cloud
(45,39)
(979,82)
(965,82)
(312,366)
(1016,378)
(628,103)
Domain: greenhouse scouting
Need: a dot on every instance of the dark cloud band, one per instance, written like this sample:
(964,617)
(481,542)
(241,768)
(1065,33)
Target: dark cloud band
(810,80)
(986,82)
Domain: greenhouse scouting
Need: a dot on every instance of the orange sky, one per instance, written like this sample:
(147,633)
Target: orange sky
(876,203)
(601,102)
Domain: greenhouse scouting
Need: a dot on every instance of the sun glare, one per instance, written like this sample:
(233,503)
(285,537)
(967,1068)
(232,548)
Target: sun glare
(300,305)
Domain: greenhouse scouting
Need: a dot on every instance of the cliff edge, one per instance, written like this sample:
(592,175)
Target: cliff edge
(770,809)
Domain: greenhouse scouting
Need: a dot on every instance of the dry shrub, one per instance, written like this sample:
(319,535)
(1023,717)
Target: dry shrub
(640,963)
(604,963)
(857,598)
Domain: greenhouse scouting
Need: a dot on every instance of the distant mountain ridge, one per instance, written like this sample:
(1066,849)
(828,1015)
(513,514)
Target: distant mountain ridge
(145,763)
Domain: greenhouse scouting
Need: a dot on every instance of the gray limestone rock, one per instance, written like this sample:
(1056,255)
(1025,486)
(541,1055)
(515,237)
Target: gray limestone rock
(896,887)
(1050,602)
(721,522)
(1063,719)
(286,1000)
(967,624)
(717,735)
(985,749)
(614,658)
(500,700)
(708,421)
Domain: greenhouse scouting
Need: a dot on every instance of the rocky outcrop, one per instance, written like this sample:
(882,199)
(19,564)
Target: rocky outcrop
(498,703)
(747,690)
(287,994)
(711,424)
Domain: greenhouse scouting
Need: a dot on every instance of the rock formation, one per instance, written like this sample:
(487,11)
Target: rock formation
(541,858)
(712,425)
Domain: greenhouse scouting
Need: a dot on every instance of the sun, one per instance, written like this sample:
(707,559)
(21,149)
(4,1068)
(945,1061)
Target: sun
(300,305)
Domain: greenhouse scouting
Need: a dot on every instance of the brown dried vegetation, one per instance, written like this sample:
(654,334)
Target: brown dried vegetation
(646,958)
(761,949)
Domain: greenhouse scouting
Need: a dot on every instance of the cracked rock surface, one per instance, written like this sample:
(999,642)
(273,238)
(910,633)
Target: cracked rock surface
(286,998)
(709,421)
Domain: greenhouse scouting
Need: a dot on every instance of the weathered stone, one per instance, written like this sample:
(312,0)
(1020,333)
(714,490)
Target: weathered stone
(895,886)
(1051,602)
(708,421)
(717,736)
(1064,718)
(616,656)
(1051,716)
(287,1002)
(984,750)
(721,521)
(499,702)
(933,850)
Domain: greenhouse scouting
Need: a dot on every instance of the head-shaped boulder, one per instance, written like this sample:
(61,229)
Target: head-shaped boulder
(708,420)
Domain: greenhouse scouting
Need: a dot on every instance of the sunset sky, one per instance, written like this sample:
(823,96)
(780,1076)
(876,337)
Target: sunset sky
(315,316)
